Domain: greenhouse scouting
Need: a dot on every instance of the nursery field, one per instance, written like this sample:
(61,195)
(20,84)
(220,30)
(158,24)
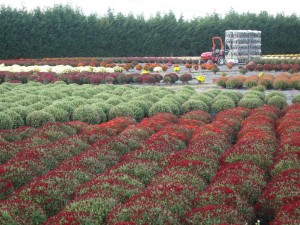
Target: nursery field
(128,154)
(149,141)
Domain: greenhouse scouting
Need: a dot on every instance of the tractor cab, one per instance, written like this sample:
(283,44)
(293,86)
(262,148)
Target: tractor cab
(217,53)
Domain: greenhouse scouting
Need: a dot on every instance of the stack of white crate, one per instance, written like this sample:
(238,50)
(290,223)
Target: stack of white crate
(241,45)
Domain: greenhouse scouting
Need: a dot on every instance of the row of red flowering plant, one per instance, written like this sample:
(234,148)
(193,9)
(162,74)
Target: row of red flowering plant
(227,196)
(256,142)
(17,134)
(288,214)
(52,190)
(187,167)
(41,136)
(282,192)
(38,158)
(118,182)
(21,212)
(173,187)
(36,161)
(180,169)
(235,187)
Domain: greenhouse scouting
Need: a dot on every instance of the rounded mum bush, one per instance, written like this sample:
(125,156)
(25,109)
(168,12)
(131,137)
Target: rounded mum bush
(250,82)
(39,118)
(120,90)
(82,94)
(145,105)
(188,89)
(250,103)
(149,97)
(87,114)
(115,100)
(16,118)
(3,108)
(170,99)
(222,104)
(222,81)
(234,82)
(277,101)
(23,111)
(137,110)
(175,107)
(212,93)
(59,114)
(183,95)
(104,106)
(261,95)
(238,94)
(180,98)
(102,110)
(267,81)
(231,94)
(38,106)
(102,96)
(6,121)
(65,105)
(250,96)
(120,110)
(104,88)
(222,97)
(129,96)
(274,93)
(193,105)
(78,101)
(159,107)
(281,84)
(260,88)
(296,99)
(52,94)
(161,93)
(204,98)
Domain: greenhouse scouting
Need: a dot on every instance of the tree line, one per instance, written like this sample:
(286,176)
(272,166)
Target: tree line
(62,31)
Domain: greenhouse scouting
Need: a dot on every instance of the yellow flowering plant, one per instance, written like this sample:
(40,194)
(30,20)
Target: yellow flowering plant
(177,69)
(200,78)
(145,72)
(261,74)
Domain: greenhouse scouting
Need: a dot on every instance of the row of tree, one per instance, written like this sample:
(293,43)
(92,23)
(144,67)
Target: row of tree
(62,31)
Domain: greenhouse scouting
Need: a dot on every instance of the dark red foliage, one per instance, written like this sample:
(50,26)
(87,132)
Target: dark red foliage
(217,213)
(244,169)
(241,185)
(288,214)
(198,115)
(226,196)
(193,166)
(71,218)
(204,155)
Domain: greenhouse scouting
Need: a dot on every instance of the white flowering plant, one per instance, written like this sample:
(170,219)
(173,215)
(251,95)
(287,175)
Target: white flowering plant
(157,69)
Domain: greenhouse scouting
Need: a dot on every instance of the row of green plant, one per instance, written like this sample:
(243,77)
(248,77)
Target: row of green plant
(34,104)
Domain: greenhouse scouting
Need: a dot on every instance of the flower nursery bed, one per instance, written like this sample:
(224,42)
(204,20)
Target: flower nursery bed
(141,154)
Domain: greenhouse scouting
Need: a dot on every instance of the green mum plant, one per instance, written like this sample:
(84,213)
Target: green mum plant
(39,118)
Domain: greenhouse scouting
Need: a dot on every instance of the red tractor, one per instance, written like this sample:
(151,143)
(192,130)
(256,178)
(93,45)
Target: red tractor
(217,55)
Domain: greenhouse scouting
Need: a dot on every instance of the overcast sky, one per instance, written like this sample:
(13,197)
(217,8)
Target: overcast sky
(187,8)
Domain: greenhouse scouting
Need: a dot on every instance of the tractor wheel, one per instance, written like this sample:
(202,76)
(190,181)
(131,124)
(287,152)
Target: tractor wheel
(221,61)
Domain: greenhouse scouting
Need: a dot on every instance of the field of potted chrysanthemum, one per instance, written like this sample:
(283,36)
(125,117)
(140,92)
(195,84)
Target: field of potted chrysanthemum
(79,147)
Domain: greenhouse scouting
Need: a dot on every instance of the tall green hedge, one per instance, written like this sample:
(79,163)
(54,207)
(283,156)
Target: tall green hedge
(62,31)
